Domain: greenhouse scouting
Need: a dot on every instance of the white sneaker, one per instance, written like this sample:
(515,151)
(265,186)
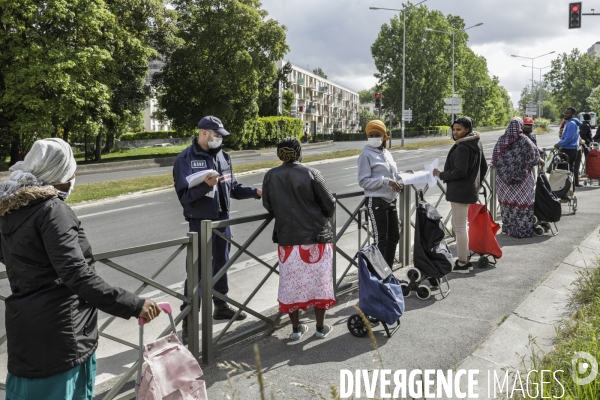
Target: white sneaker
(302,329)
(326,331)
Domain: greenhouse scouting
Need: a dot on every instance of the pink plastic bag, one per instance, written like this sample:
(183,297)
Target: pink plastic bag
(172,372)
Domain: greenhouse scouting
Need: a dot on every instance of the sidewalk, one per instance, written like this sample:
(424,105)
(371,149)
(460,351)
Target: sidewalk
(484,323)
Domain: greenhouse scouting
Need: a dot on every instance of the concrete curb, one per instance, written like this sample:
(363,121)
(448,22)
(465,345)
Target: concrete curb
(531,327)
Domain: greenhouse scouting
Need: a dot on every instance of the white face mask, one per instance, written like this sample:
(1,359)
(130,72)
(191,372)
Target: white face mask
(65,195)
(215,143)
(375,141)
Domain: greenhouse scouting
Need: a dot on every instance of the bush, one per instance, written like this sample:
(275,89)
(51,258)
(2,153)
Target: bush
(146,135)
(542,122)
(265,132)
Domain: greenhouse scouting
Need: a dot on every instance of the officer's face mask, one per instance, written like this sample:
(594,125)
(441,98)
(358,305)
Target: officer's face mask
(215,143)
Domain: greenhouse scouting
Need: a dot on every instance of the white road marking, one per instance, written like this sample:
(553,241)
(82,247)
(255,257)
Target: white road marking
(352,184)
(356,166)
(117,209)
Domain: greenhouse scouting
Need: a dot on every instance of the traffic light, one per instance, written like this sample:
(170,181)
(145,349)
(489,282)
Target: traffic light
(300,108)
(574,15)
(377,100)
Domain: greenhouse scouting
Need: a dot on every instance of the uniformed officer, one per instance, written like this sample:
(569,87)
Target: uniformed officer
(210,199)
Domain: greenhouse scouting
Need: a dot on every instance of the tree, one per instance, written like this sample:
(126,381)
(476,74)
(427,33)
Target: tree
(594,100)
(73,65)
(228,49)
(145,25)
(365,117)
(288,102)
(572,78)
(429,70)
(268,101)
(367,95)
(318,71)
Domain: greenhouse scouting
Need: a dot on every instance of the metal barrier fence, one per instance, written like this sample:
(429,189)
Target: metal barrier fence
(203,266)
(212,343)
(188,244)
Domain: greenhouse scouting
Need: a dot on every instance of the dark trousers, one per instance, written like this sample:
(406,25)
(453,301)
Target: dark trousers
(220,256)
(386,230)
(574,163)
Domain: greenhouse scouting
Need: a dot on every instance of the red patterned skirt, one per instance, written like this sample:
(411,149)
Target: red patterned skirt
(305,277)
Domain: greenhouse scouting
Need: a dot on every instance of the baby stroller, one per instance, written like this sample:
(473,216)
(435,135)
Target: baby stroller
(482,234)
(171,372)
(431,257)
(546,208)
(592,164)
(379,294)
(561,180)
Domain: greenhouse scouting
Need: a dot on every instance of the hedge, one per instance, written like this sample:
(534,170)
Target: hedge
(265,132)
(146,135)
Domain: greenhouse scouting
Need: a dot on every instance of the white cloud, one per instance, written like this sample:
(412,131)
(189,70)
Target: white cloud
(336,35)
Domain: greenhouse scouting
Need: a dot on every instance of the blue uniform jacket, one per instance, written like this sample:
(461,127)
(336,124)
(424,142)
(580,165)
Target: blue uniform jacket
(194,201)
(570,136)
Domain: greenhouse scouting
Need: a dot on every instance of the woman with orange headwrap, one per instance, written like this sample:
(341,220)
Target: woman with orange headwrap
(378,176)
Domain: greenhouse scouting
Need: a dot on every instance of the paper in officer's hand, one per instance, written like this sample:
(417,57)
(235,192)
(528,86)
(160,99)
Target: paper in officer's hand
(197,178)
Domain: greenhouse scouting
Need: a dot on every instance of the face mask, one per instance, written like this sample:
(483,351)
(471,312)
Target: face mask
(215,143)
(375,141)
(65,195)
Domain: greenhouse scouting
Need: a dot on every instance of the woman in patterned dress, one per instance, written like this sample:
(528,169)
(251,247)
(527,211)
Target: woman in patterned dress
(299,199)
(515,156)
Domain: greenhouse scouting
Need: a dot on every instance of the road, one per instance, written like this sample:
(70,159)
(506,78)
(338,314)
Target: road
(267,155)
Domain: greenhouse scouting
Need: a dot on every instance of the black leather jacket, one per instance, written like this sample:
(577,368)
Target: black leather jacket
(299,199)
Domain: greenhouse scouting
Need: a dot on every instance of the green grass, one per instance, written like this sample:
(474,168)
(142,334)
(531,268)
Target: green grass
(579,332)
(104,190)
(135,154)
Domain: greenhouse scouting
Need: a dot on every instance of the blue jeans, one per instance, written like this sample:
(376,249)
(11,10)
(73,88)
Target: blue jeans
(220,256)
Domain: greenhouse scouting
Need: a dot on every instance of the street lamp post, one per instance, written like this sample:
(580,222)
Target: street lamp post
(402,11)
(532,67)
(540,106)
(452,33)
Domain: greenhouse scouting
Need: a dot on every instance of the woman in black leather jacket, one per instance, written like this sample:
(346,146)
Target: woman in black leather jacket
(299,199)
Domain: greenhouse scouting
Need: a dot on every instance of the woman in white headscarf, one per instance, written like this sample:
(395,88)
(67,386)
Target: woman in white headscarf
(51,315)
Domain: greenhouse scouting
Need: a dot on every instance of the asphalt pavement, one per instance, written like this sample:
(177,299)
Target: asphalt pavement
(265,155)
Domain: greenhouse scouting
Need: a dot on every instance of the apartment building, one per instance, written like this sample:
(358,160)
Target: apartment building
(329,105)
(150,124)
(594,50)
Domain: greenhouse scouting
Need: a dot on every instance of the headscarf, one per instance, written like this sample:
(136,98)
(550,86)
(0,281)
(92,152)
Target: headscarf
(51,161)
(378,126)
(514,154)
(289,150)
(511,135)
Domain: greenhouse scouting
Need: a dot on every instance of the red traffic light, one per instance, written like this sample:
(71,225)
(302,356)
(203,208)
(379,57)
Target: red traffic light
(377,95)
(575,8)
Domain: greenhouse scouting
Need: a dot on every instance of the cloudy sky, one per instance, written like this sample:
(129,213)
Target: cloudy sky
(336,35)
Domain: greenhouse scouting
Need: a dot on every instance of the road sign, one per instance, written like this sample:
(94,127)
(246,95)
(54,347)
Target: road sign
(453,101)
(453,109)
(531,113)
